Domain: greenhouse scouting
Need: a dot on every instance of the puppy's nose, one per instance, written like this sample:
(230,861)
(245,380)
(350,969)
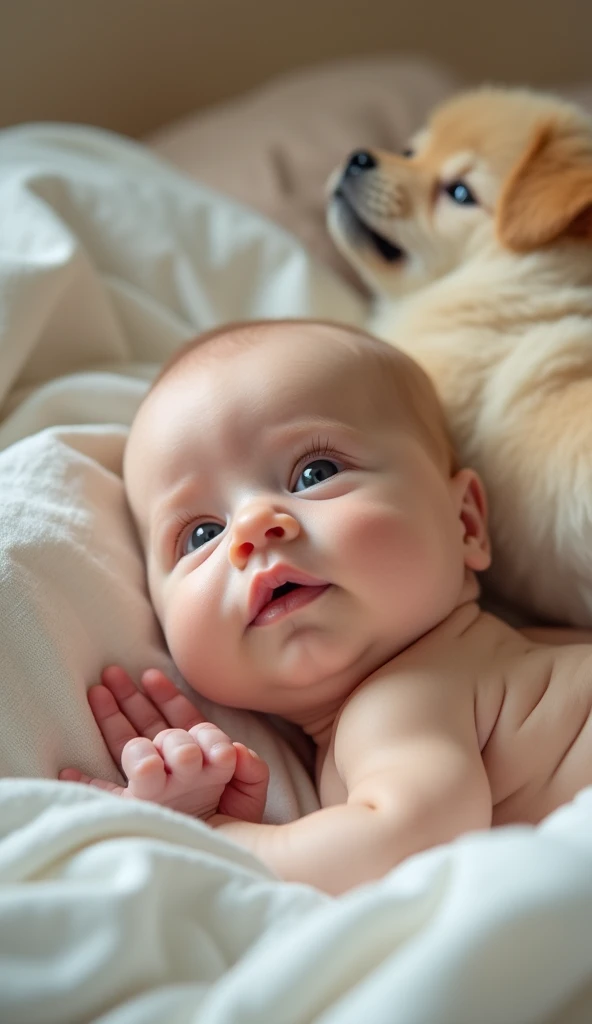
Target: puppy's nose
(359,162)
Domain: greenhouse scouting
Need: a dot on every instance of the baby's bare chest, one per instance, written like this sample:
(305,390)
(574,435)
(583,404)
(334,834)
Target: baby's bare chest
(533,720)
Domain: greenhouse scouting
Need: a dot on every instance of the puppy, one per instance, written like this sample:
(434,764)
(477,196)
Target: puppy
(477,243)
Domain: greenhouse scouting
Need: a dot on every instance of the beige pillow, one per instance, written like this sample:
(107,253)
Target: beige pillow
(275,147)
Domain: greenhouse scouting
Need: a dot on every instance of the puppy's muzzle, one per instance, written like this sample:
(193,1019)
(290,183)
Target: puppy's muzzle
(363,199)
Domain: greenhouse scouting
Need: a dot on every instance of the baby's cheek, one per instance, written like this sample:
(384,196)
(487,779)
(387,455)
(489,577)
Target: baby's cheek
(370,537)
(190,631)
(393,558)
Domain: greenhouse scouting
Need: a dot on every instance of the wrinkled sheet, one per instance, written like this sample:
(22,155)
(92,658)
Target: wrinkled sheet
(124,913)
(109,259)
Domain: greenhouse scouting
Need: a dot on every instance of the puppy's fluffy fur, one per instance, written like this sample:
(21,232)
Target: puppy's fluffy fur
(477,243)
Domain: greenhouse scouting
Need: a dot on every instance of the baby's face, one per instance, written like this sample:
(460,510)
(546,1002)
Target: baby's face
(297,532)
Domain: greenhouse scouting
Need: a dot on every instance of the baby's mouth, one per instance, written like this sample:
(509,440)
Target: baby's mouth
(286,588)
(287,599)
(280,591)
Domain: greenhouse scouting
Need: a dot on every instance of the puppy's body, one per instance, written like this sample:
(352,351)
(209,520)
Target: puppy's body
(494,299)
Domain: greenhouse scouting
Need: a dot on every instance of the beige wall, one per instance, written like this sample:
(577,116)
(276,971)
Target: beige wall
(132,65)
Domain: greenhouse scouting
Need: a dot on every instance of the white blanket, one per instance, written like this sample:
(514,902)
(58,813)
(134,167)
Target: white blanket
(127,913)
(130,914)
(108,261)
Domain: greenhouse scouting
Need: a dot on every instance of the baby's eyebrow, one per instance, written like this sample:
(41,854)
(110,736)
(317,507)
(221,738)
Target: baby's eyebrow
(309,425)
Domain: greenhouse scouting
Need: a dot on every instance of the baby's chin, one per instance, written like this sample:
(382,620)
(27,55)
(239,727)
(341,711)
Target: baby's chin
(304,674)
(316,663)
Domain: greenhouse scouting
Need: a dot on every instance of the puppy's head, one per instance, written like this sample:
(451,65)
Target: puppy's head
(493,168)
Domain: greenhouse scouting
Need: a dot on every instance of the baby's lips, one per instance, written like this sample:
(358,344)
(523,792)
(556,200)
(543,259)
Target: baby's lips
(265,582)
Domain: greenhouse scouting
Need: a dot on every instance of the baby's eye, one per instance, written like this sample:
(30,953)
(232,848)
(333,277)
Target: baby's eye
(315,473)
(201,535)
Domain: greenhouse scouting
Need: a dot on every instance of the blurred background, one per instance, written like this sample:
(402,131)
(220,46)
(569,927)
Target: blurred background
(134,65)
(262,99)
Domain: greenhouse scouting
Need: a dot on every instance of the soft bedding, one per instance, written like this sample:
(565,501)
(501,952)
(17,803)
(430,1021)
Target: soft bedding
(275,147)
(130,914)
(127,913)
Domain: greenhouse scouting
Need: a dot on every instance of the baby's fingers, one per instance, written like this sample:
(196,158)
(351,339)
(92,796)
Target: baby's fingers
(182,756)
(245,795)
(116,729)
(250,768)
(141,714)
(144,768)
(217,749)
(73,775)
(174,706)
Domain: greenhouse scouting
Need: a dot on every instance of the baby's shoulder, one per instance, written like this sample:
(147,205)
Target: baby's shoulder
(416,689)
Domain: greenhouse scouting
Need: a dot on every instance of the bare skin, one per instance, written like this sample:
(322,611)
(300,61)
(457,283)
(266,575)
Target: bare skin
(169,753)
(269,465)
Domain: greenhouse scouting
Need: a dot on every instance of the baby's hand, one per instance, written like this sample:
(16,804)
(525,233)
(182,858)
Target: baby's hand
(169,754)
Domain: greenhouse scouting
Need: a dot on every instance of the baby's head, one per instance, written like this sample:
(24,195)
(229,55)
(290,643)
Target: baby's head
(302,518)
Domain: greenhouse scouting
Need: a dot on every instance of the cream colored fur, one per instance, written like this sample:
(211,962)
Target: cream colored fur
(495,301)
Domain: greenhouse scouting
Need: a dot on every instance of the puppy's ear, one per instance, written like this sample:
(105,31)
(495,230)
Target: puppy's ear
(549,194)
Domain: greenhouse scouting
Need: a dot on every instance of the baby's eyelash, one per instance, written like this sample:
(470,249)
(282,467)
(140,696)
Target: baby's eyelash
(318,449)
(182,521)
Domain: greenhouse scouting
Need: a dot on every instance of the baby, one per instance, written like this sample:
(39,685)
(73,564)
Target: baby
(311,551)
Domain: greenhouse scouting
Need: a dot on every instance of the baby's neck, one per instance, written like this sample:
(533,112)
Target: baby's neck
(318,722)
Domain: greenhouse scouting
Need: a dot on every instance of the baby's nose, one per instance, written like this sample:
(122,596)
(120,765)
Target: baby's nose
(257,527)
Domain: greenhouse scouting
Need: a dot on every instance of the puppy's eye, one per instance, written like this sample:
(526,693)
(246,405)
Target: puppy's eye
(460,193)
(408,153)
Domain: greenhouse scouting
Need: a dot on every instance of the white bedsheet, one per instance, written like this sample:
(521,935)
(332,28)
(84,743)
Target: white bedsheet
(108,261)
(127,913)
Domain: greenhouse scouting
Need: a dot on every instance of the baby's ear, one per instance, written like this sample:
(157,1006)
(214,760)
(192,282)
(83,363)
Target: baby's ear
(549,194)
(472,509)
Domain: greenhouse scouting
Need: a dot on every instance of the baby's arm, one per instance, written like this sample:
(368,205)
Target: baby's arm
(169,753)
(407,751)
